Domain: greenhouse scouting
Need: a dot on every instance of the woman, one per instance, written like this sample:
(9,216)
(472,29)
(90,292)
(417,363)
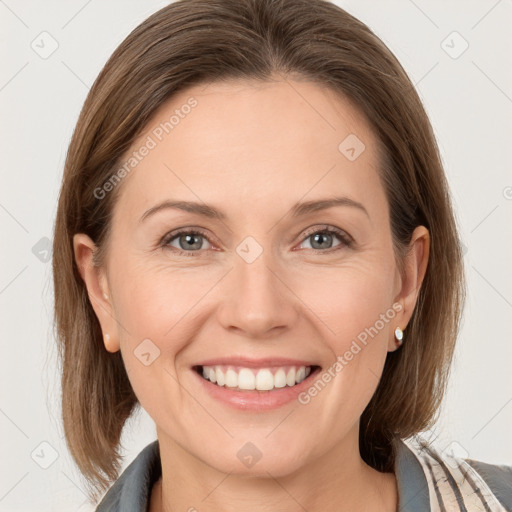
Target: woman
(255,243)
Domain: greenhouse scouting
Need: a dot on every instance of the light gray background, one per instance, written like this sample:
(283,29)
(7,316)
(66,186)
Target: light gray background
(469,102)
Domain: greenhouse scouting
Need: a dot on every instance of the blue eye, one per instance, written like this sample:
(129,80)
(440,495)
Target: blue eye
(190,241)
(326,236)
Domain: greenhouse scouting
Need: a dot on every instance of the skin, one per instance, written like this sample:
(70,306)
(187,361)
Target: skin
(253,150)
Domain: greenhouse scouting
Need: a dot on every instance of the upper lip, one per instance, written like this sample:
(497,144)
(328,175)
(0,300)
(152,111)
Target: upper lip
(265,362)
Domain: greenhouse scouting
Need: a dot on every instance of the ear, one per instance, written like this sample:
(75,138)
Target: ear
(409,283)
(97,288)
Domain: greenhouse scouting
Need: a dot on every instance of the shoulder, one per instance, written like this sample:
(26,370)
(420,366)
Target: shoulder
(131,491)
(451,482)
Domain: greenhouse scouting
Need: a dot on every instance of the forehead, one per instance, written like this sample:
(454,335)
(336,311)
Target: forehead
(246,141)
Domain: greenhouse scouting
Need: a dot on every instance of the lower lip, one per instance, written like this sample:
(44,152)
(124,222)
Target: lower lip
(254,400)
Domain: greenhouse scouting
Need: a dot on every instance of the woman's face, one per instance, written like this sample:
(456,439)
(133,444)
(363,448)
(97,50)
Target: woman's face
(259,288)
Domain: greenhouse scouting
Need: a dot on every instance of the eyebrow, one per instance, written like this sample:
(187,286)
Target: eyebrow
(298,210)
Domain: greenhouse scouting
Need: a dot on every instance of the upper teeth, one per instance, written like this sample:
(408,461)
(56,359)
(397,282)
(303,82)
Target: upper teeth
(261,379)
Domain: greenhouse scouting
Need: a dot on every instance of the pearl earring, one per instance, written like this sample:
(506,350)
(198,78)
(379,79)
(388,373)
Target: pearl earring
(399,336)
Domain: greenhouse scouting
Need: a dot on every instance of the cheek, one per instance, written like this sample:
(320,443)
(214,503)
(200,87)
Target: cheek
(349,301)
(353,306)
(159,311)
(153,312)
(153,301)
(147,308)
(355,316)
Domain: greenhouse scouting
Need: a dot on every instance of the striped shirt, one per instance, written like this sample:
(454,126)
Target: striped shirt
(427,480)
(433,480)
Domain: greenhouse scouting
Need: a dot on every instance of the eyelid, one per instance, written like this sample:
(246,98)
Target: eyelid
(183,231)
(329,229)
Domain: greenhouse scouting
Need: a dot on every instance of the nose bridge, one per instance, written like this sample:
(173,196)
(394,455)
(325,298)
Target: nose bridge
(257,300)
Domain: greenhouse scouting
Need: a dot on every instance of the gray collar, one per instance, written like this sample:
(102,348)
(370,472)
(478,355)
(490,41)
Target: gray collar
(132,491)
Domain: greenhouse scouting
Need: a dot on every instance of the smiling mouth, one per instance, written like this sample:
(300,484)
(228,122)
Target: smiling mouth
(255,379)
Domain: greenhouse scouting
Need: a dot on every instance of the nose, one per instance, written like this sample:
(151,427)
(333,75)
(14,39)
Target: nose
(256,299)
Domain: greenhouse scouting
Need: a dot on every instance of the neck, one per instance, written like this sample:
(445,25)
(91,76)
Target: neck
(337,481)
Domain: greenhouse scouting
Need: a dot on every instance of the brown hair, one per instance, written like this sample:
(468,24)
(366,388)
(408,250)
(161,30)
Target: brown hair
(196,41)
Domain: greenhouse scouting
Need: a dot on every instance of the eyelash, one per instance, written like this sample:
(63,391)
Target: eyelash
(346,240)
